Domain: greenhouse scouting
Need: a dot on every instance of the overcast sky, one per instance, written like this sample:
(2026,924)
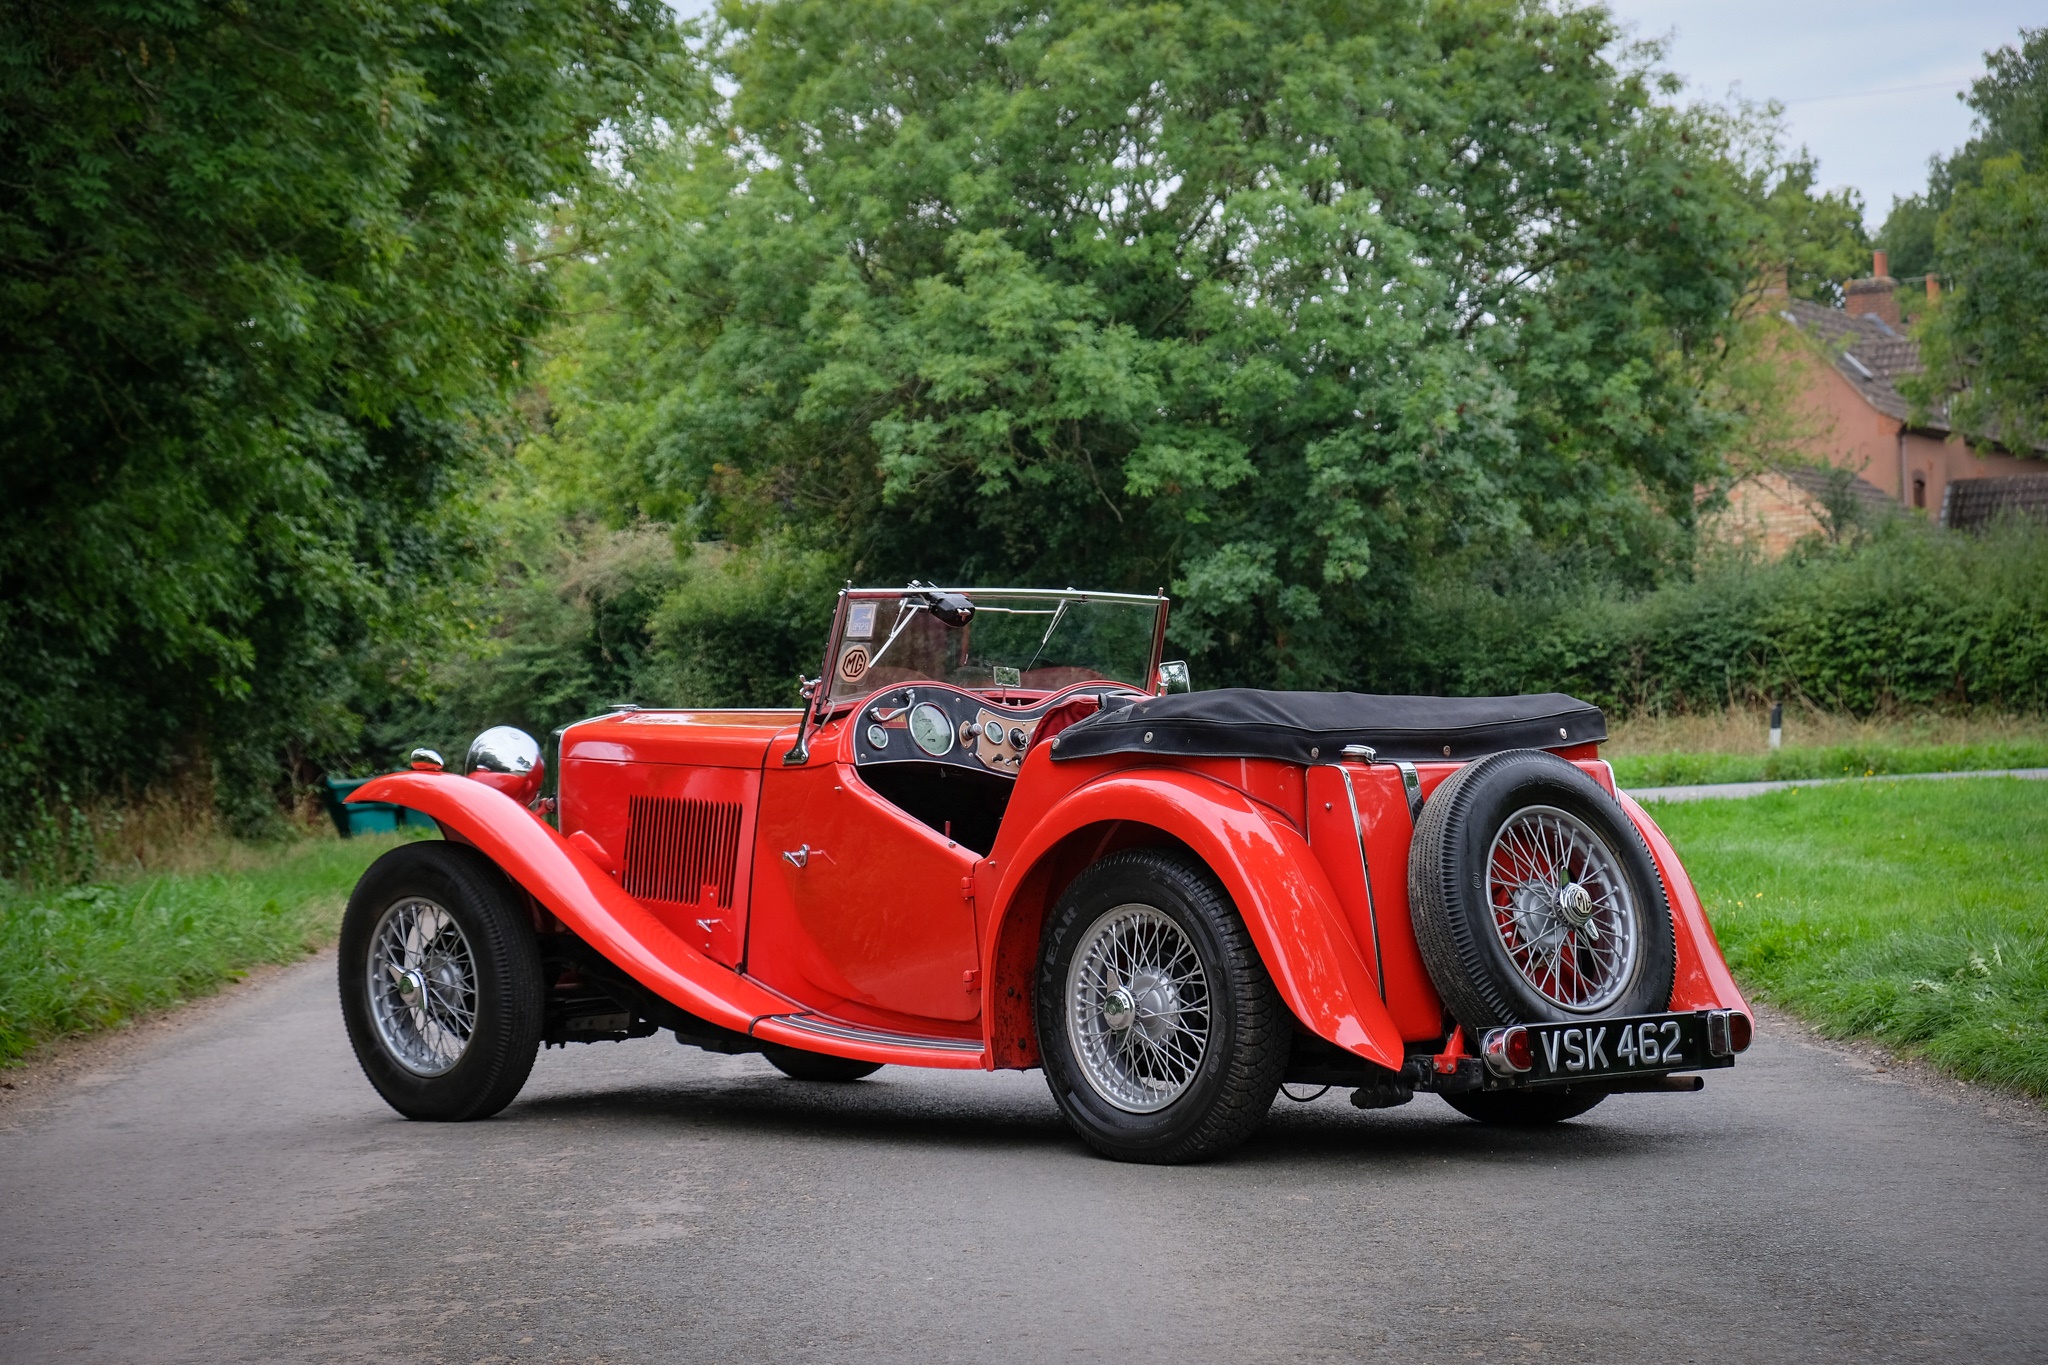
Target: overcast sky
(1869,85)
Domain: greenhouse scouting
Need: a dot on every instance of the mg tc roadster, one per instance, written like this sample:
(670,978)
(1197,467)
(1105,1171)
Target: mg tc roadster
(1001,833)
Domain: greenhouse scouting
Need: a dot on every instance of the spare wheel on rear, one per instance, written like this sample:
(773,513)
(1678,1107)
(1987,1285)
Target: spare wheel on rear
(1534,898)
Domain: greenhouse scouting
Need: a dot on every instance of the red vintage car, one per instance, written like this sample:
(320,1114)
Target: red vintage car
(1000,833)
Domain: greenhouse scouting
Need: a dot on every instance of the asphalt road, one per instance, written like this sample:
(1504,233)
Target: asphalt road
(235,1192)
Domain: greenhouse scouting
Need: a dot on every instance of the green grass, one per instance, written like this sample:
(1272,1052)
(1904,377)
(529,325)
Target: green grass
(1852,760)
(88,957)
(1914,913)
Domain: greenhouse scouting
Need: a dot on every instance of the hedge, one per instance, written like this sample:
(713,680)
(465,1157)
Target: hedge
(1908,618)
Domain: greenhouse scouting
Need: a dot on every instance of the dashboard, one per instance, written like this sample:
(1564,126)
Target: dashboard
(933,723)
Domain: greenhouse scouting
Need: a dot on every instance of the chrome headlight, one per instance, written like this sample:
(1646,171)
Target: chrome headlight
(509,760)
(503,749)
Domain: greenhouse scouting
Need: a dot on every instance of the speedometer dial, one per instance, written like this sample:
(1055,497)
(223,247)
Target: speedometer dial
(931,729)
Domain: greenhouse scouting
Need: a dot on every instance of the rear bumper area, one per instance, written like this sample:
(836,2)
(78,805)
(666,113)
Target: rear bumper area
(1643,1053)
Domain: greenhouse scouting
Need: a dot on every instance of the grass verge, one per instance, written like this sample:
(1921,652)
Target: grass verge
(88,957)
(1844,760)
(1746,730)
(1915,913)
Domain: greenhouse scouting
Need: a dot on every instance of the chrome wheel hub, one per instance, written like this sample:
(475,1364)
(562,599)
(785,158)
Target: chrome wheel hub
(423,987)
(1137,1008)
(1575,903)
(1119,1011)
(1563,910)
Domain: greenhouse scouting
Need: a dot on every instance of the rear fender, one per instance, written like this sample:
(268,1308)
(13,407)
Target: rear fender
(571,887)
(1701,980)
(1264,863)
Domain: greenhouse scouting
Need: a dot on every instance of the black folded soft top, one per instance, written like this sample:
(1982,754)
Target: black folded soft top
(1312,727)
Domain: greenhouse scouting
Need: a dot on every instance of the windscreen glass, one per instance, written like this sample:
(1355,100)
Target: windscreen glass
(1029,645)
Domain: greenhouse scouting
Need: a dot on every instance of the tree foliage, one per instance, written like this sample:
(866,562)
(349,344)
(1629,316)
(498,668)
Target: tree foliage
(1816,235)
(1984,222)
(1278,304)
(269,270)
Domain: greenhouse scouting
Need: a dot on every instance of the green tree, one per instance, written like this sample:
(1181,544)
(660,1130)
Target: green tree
(1985,348)
(1279,304)
(269,272)
(2011,103)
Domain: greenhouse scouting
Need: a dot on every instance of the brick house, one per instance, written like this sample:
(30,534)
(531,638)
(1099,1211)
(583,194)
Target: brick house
(1856,420)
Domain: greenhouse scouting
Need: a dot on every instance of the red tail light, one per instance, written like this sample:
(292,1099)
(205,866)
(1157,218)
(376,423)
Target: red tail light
(1728,1032)
(1508,1051)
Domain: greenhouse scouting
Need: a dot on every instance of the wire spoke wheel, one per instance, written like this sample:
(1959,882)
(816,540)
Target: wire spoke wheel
(1138,1008)
(422,984)
(1562,907)
(1162,1035)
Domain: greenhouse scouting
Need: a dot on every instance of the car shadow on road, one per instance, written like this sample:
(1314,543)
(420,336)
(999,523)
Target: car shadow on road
(1427,1129)
(967,1116)
(860,1111)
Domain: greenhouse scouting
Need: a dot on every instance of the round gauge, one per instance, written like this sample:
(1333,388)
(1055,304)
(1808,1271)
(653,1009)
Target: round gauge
(993,732)
(1018,738)
(878,737)
(931,729)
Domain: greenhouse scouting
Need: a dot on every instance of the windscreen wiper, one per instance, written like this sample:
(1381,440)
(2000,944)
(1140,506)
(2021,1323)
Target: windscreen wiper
(1047,637)
(901,621)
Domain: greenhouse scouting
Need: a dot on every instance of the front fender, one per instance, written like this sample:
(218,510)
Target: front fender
(572,888)
(1280,889)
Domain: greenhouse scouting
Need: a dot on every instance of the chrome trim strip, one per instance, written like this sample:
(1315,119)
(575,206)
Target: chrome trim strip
(551,781)
(1372,913)
(848,1033)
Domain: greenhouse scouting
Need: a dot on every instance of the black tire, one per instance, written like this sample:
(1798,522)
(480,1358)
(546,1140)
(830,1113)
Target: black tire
(1248,1028)
(497,931)
(800,1065)
(1454,918)
(1524,1108)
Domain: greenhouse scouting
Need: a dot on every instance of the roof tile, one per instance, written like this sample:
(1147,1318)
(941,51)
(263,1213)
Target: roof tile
(1867,353)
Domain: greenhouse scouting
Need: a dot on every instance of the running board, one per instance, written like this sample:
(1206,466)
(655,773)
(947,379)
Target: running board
(878,1045)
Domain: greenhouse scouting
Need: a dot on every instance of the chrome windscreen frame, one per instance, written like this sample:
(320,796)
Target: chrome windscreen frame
(819,706)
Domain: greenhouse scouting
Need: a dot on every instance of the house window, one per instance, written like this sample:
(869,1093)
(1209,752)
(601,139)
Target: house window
(1920,491)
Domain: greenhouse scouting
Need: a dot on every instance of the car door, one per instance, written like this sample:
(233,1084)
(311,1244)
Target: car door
(856,902)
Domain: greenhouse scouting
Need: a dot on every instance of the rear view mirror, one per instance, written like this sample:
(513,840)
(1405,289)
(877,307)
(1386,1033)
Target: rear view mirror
(1173,677)
(947,608)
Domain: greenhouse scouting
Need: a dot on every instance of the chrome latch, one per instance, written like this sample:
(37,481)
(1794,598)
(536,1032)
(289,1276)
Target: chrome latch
(797,857)
(1412,780)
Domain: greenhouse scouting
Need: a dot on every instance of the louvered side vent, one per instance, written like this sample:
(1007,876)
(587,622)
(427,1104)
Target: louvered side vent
(680,850)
